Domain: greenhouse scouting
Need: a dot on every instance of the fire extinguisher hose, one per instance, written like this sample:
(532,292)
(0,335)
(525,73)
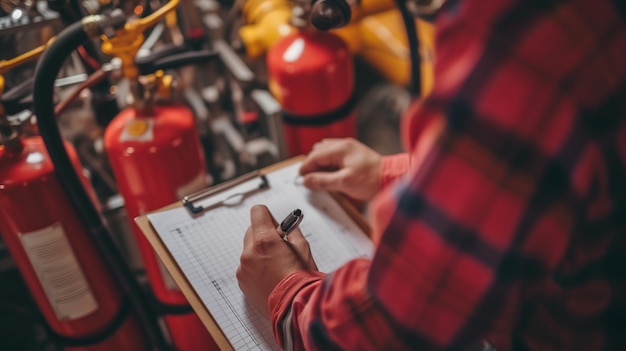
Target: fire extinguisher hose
(45,75)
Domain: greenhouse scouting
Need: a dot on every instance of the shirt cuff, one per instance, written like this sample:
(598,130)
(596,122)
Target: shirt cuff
(392,167)
(282,296)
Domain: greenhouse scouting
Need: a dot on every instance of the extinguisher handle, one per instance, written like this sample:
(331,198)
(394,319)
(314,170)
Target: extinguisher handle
(172,57)
(18,98)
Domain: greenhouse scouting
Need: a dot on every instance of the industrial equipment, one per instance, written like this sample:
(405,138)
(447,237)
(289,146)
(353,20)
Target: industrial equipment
(156,155)
(74,289)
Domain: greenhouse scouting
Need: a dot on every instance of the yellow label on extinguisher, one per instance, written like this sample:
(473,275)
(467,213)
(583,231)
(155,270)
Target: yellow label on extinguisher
(138,130)
(137,127)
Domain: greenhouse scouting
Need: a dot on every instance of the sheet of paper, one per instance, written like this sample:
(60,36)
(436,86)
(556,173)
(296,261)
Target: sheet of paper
(207,247)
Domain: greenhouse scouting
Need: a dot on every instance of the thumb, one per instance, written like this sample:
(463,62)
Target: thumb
(261,219)
(326,180)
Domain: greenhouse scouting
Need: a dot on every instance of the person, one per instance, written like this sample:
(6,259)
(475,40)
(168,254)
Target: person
(506,220)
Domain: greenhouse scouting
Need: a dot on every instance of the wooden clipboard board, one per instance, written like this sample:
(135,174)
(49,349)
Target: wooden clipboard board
(177,274)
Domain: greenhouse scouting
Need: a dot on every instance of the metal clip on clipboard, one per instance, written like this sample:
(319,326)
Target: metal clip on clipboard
(189,200)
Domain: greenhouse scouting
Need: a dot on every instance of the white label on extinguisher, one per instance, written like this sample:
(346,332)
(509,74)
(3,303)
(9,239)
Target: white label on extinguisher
(197,183)
(59,273)
(168,280)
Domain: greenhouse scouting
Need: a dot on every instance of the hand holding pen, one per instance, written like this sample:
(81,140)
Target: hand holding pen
(267,258)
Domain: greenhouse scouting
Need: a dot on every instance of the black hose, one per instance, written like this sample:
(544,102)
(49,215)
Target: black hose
(104,104)
(45,74)
(415,84)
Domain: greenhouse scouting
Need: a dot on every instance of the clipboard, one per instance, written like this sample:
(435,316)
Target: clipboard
(189,201)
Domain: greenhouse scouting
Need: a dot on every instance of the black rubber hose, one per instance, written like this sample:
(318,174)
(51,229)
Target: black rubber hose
(104,104)
(415,85)
(45,74)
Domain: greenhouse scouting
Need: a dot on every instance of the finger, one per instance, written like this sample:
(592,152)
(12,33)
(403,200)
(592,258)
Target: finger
(296,237)
(327,156)
(300,246)
(327,180)
(325,142)
(297,241)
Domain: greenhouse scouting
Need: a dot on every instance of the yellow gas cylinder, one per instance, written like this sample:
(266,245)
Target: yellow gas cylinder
(267,22)
(380,39)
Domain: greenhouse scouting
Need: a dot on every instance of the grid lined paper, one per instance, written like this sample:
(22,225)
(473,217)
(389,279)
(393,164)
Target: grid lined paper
(207,248)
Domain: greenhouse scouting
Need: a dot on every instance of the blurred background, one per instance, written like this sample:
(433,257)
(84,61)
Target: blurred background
(110,109)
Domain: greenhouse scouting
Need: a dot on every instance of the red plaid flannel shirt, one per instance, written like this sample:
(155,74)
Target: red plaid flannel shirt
(511,227)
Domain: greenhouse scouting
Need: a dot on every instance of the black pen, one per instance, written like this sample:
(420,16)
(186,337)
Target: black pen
(290,223)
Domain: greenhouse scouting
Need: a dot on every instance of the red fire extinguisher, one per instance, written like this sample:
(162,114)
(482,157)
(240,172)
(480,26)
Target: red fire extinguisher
(157,159)
(68,279)
(311,74)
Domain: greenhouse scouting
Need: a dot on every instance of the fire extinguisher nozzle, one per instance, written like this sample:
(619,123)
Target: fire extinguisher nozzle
(330,14)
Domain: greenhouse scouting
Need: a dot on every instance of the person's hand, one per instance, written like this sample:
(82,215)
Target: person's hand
(266,258)
(343,165)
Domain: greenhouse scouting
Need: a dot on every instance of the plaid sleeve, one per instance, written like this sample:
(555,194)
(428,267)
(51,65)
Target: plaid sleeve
(511,229)
(393,167)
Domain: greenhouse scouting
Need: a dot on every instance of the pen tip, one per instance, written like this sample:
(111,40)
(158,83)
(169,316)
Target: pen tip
(297,212)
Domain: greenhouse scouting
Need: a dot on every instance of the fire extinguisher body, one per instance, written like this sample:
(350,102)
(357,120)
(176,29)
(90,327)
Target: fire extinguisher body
(311,74)
(68,279)
(157,159)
